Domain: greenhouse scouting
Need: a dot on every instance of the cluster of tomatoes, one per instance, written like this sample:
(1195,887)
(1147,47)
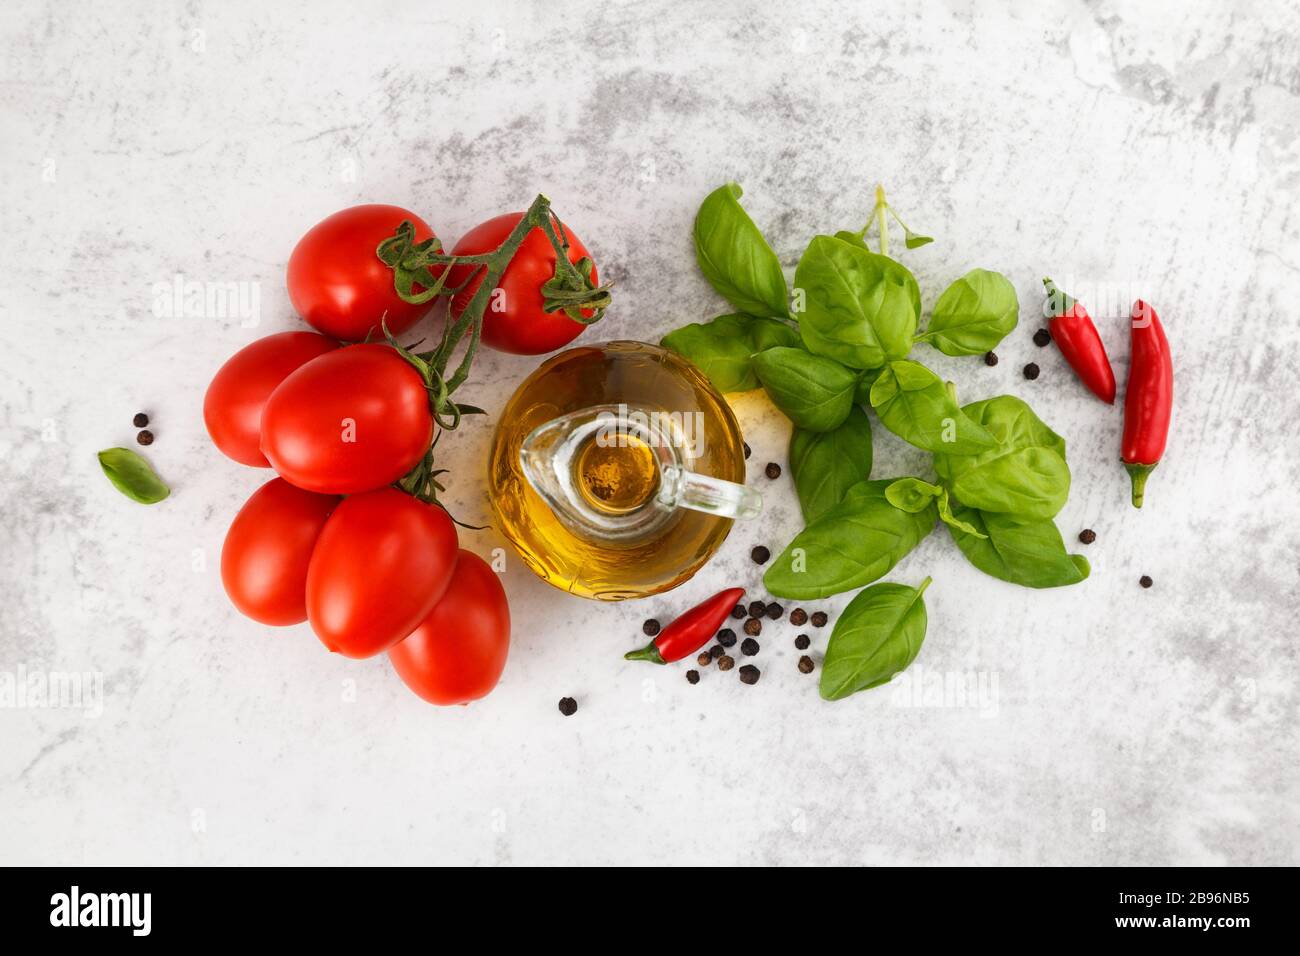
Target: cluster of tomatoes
(334,539)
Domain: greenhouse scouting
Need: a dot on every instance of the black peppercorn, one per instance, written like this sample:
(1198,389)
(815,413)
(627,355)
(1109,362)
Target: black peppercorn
(773,470)
(819,619)
(760,555)
(757,608)
(738,612)
(1145,581)
(753,627)
(798,617)
(806,665)
(801,642)
(749,674)
(692,676)
(705,659)
(568,706)
(749,647)
(716,651)
(746,444)
(726,637)
(774,611)
(650,628)
(725,663)
(1031,371)
(990,358)
(1087,536)
(140,420)
(145,437)
(1042,337)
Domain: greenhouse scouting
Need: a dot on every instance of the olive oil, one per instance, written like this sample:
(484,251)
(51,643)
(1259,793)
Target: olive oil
(658,419)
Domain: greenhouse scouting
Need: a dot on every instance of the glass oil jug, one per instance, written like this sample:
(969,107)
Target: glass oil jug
(616,470)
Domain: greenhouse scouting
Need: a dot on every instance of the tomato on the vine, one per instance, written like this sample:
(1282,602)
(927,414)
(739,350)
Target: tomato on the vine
(349,421)
(458,652)
(514,320)
(338,284)
(381,564)
(232,407)
(268,549)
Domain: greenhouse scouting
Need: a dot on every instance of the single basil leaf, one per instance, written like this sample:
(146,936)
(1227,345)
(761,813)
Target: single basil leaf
(825,465)
(878,634)
(973,315)
(944,502)
(1024,473)
(815,393)
(851,544)
(914,240)
(913,494)
(858,307)
(773,333)
(720,349)
(915,404)
(736,259)
(1025,551)
(133,476)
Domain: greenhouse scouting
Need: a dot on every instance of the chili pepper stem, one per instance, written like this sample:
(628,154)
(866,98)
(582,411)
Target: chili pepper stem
(648,653)
(1139,474)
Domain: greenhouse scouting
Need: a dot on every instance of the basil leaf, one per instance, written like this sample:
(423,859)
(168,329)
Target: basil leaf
(944,501)
(973,315)
(1025,473)
(915,404)
(825,465)
(1026,551)
(736,259)
(858,307)
(773,333)
(132,475)
(816,393)
(878,634)
(720,349)
(851,544)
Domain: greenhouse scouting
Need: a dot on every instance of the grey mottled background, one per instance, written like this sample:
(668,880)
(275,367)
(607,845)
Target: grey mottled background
(1148,146)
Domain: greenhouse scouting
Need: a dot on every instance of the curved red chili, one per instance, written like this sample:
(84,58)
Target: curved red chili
(1075,335)
(1148,399)
(688,633)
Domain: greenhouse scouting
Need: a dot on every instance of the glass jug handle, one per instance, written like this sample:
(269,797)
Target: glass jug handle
(687,489)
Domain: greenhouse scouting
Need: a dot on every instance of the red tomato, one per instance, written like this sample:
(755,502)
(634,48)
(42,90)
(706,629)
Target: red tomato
(521,326)
(268,548)
(349,421)
(381,564)
(457,654)
(232,408)
(338,284)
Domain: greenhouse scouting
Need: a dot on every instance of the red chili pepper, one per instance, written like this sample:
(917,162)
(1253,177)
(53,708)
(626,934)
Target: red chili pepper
(1148,399)
(688,633)
(1075,335)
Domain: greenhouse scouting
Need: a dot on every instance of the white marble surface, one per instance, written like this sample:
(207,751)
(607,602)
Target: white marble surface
(1154,144)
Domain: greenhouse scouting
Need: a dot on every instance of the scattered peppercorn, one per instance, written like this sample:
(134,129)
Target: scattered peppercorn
(760,555)
(773,470)
(650,628)
(819,619)
(140,420)
(749,647)
(1145,581)
(145,437)
(705,659)
(726,637)
(990,358)
(806,665)
(1031,371)
(746,444)
(716,651)
(1087,536)
(774,611)
(738,612)
(568,706)
(753,627)
(692,676)
(801,642)
(725,663)
(749,674)
(1042,337)
(757,608)
(798,617)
